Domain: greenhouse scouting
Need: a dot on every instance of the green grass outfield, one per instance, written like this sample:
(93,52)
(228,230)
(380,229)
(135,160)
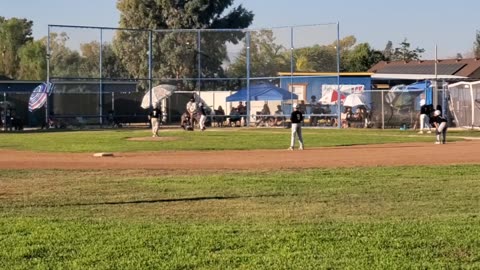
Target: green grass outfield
(412,217)
(219,139)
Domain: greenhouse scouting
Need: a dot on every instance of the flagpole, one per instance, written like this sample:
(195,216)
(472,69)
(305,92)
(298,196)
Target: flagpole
(4,111)
(48,76)
(339,119)
(435,96)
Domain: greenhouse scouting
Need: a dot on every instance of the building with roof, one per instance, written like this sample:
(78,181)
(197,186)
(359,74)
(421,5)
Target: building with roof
(404,72)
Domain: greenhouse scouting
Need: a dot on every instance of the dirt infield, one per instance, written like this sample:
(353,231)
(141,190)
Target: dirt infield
(349,156)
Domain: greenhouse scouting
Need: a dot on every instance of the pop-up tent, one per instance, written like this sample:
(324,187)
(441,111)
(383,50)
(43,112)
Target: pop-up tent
(157,94)
(354,100)
(405,95)
(262,92)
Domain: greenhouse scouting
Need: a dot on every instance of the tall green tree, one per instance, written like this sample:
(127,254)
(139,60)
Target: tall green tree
(404,53)
(476,45)
(32,61)
(267,58)
(317,58)
(90,61)
(64,62)
(14,33)
(361,58)
(175,54)
(323,58)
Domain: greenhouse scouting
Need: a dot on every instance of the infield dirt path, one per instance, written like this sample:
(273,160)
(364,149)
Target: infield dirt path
(464,152)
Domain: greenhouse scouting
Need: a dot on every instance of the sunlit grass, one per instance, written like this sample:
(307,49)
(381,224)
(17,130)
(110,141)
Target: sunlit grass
(212,139)
(357,218)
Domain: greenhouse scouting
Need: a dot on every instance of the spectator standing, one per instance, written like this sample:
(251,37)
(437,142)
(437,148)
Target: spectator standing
(242,109)
(154,116)
(296,118)
(302,107)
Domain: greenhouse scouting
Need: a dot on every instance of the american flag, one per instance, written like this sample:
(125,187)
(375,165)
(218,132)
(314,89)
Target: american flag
(39,96)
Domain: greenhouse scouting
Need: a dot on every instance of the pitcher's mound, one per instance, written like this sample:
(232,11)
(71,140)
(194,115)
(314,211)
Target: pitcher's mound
(147,139)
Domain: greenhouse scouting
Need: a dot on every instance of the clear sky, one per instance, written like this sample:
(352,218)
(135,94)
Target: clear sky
(451,25)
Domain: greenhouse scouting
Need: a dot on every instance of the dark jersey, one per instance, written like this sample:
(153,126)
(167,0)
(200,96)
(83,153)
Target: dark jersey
(425,109)
(155,113)
(296,117)
(202,111)
(437,119)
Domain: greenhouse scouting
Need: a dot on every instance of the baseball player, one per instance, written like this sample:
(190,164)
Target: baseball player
(440,124)
(424,116)
(203,115)
(154,117)
(296,118)
(192,109)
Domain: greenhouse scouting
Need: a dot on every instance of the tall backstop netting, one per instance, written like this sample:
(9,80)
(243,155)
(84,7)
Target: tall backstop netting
(464,103)
(97,71)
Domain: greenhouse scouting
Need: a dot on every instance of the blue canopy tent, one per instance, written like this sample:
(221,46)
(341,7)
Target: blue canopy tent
(262,92)
(426,86)
(407,95)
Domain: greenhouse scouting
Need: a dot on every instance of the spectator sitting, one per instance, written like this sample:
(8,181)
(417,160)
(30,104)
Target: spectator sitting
(234,117)
(220,111)
(242,109)
(346,116)
(279,118)
(316,109)
(357,116)
(219,116)
(264,113)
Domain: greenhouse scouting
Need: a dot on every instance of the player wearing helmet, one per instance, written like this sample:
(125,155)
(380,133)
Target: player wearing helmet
(203,115)
(296,118)
(440,124)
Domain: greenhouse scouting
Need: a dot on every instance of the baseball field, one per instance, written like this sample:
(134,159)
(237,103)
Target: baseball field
(237,199)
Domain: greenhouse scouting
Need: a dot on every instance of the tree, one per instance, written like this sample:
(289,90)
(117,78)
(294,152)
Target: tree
(323,58)
(14,33)
(266,57)
(318,58)
(32,61)
(388,51)
(362,57)
(64,62)
(346,44)
(90,61)
(404,53)
(476,45)
(175,53)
